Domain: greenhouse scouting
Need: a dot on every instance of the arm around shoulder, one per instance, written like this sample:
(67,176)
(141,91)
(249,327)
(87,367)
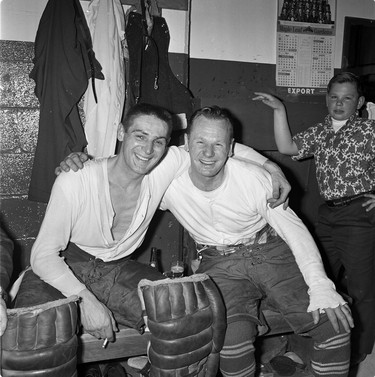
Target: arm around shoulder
(74,161)
(280,184)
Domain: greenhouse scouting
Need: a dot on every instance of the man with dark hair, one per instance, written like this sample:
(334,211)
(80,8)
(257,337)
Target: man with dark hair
(95,230)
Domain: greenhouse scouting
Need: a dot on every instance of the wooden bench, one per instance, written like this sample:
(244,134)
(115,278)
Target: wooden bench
(130,343)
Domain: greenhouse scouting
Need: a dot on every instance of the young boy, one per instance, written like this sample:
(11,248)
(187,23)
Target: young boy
(343,146)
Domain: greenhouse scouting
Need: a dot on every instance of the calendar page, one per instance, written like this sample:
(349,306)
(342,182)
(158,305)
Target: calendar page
(305,46)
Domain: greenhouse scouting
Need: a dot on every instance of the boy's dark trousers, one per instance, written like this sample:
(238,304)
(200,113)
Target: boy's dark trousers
(347,237)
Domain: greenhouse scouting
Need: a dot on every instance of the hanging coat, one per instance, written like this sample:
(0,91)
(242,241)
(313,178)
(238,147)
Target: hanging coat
(64,60)
(151,79)
(107,25)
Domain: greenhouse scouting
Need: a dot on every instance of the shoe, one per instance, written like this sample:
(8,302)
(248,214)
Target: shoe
(283,365)
(91,371)
(114,370)
(297,360)
(140,364)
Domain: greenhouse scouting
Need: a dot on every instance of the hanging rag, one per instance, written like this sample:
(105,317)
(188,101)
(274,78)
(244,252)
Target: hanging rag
(151,79)
(106,22)
(64,60)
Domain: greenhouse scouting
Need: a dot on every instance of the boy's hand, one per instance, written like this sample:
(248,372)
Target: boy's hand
(369,204)
(268,100)
(73,161)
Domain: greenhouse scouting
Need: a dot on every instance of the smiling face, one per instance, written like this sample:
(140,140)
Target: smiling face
(210,144)
(343,100)
(143,144)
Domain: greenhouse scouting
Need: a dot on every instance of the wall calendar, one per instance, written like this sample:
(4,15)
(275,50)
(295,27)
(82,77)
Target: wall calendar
(305,46)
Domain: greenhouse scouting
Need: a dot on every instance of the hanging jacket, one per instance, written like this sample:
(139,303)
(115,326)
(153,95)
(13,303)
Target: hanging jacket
(64,60)
(151,79)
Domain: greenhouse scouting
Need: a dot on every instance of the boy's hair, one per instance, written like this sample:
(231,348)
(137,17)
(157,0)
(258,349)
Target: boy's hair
(147,109)
(212,112)
(344,77)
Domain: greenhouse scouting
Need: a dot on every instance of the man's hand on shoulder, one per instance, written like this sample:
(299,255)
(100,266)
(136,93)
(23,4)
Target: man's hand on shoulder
(73,161)
(280,185)
(336,315)
(96,318)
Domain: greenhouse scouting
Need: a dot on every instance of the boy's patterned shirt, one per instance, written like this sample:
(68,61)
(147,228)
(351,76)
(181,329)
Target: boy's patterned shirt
(345,160)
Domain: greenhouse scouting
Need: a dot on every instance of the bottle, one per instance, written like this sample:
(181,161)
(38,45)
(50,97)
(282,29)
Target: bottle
(154,258)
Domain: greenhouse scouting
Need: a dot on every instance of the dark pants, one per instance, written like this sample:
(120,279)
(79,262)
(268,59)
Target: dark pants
(261,272)
(347,236)
(269,272)
(114,283)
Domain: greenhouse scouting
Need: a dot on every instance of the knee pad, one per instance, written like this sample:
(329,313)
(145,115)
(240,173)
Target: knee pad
(41,340)
(187,321)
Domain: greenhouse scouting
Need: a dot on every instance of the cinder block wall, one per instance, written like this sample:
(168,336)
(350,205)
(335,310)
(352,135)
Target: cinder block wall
(19,121)
(19,116)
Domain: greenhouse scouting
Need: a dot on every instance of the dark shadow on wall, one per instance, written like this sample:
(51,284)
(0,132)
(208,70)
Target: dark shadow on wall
(20,259)
(304,197)
(165,233)
(237,126)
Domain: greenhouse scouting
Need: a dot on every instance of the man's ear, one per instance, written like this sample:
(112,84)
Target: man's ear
(361,101)
(231,148)
(186,145)
(120,132)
